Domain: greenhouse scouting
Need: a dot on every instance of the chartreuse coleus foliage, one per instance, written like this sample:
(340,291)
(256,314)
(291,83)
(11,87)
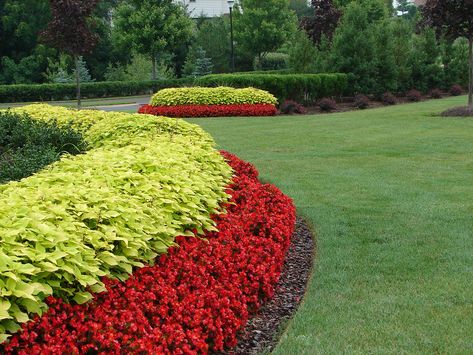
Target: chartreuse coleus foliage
(144,181)
(211,96)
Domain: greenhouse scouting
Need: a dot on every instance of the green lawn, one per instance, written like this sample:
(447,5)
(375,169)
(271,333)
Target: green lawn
(389,193)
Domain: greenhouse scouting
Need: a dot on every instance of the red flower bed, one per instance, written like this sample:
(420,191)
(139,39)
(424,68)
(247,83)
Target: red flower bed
(194,300)
(210,110)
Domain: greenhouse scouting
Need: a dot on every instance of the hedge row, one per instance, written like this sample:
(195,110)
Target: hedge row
(211,96)
(145,181)
(55,92)
(306,88)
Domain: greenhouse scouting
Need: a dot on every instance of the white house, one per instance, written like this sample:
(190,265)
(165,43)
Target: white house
(207,8)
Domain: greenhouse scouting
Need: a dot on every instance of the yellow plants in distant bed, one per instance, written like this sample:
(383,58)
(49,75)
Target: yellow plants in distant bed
(211,96)
(145,180)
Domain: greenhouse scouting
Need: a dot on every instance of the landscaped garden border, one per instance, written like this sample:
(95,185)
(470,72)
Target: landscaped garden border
(211,102)
(195,299)
(144,181)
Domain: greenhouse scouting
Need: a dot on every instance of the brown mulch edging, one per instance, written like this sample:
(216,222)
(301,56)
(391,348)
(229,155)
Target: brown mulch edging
(261,332)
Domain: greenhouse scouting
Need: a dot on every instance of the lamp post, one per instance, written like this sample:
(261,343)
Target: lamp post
(232,60)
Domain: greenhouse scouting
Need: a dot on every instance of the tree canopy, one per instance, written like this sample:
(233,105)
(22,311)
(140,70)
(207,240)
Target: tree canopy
(153,27)
(263,26)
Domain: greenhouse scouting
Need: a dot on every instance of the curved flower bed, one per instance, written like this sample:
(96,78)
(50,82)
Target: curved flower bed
(194,300)
(210,110)
(211,102)
(144,181)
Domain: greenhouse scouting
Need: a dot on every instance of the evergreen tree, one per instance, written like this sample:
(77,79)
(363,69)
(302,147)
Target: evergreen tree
(425,61)
(302,53)
(354,49)
(203,65)
(454,19)
(84,73)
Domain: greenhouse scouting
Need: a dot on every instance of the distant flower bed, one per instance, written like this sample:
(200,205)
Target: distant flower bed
(211,102)
(195,299)
(210,110)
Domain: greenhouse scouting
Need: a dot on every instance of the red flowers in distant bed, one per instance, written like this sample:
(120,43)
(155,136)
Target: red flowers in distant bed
(210,110)
(194,300)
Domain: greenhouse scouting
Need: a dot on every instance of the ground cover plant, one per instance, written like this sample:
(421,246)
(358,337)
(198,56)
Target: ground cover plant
(195,299)
(27,146)
(144,181)
(211,102)
(388,192)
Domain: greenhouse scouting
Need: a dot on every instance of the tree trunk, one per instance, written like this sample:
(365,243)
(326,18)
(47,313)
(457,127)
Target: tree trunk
(154,67)
(76,58)
(470,76)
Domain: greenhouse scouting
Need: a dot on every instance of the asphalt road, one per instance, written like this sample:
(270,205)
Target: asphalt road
(127,107)
(131,103)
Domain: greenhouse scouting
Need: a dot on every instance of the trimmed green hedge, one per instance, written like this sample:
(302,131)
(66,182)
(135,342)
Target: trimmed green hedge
(306,88)
(50,92)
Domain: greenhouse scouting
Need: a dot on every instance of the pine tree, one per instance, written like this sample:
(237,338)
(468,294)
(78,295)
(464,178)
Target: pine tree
(203,64)
(84,73)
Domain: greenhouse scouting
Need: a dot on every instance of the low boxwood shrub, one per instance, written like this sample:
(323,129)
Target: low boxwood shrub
(290,107)
(414,96)
(327,104)
(144,181)
(211,96)
(456,90)
(27,145)
(361,101)
(304,88)
(388,99)
(50,92)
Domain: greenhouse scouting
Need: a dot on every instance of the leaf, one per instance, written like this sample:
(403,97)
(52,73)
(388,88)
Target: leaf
(82,297)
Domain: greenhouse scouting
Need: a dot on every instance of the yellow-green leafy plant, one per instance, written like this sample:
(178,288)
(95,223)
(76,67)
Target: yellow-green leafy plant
(144,181)
(211,96)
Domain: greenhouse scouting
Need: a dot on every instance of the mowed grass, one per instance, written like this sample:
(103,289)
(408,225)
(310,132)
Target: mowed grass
(389,193)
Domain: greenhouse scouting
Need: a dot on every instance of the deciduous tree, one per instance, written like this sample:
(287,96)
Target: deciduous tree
(323,21)
(69,31)
(263,26)
(153,27)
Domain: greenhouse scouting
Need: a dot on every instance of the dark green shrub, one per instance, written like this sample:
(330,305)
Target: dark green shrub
(50,92)
(27,146)
(305,88)
(272,61)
